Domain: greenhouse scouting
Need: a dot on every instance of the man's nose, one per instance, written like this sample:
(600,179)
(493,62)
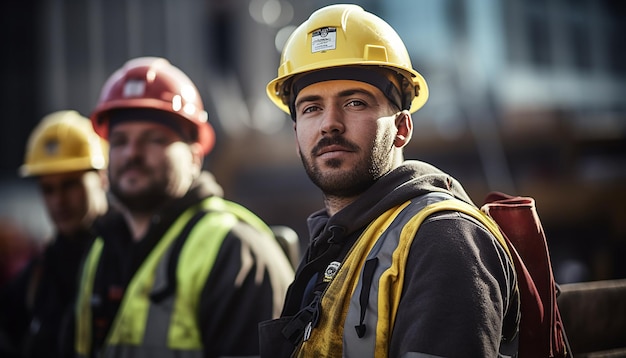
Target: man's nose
(332,121)
(133,148)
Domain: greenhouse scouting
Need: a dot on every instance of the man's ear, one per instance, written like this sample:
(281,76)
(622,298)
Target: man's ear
(404,125)
(197,156)
(295,136)
(104,179)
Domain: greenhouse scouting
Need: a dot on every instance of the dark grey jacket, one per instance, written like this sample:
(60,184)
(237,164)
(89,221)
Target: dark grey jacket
(240,291)
(458,298)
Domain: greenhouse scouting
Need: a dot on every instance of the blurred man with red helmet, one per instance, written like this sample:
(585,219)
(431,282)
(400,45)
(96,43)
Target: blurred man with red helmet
(181,270)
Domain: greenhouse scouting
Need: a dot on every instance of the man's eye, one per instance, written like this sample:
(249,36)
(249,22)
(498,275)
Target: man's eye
(355,103)
(116,141)
(158,139)
(47,190)
(310,109)
(70,184)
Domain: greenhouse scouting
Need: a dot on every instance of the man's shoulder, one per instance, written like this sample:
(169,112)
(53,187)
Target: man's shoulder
(238,211)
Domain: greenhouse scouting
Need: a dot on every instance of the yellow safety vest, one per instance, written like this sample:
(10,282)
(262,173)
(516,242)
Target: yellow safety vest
(340,301)
(143,328)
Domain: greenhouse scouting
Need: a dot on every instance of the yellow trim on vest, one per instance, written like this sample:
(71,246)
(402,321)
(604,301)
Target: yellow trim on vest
(327,338)
(130,321)
(83,306)
(492,226)
(192,276)
(394,276)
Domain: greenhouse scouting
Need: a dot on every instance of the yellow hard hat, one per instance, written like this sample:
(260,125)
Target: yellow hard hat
(63,141)
(345,35)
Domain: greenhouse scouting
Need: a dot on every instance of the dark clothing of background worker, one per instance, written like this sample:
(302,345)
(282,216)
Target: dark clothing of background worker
(180,270)
(376,280)
(67,159)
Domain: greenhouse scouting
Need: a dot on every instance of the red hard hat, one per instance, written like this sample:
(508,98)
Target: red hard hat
(153,83)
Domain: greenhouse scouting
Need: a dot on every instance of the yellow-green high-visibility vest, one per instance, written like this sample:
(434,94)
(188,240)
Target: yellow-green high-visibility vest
(167,328)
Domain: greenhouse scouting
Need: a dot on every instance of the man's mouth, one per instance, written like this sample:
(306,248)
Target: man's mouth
(134,169)
(329,149)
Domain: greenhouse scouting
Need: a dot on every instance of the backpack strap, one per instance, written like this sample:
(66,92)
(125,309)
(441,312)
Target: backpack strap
(541,329)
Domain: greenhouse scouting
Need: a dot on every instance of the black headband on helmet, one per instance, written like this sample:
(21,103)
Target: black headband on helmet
(170,120)
(373,76)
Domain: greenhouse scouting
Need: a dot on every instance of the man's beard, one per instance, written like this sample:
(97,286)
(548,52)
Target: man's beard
(352,181)
(146,200)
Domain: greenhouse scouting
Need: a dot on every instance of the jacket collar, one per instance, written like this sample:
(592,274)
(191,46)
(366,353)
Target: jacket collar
(408,181)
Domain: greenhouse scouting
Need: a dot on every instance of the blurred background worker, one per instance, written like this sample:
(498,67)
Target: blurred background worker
(68,159)
(180,271)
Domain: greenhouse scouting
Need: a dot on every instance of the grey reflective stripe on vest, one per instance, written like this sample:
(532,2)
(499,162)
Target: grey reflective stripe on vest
(158,323)
(353,346)
(160,312)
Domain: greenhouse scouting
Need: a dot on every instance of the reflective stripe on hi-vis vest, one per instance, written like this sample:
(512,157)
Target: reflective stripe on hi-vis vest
(366,290)
(143,327)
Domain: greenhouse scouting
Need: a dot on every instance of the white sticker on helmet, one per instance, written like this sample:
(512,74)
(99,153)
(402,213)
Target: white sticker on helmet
(51,147)
(324,39)
(134,88)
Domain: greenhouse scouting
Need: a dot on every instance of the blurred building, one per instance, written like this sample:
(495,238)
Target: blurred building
(527,97)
